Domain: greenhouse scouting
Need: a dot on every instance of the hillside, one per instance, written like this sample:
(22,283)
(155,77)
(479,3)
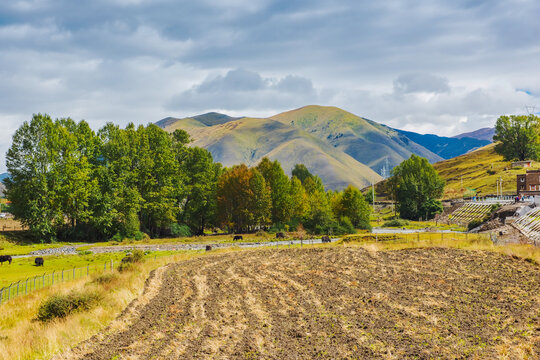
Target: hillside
(479,170)
(367,141)
(339,146)
(248,140)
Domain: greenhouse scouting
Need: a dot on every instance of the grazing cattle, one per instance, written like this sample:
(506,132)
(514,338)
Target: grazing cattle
(238,237)
(280,235)
(326,239)
(39,261)
(5,258)
(208,247)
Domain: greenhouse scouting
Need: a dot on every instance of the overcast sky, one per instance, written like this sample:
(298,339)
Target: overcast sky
(429,66)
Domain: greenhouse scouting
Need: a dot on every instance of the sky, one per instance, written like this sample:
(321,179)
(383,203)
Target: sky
(429,66)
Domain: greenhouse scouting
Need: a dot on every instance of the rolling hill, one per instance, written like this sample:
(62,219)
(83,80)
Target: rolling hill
(248,140)
(340,147)
(368,142)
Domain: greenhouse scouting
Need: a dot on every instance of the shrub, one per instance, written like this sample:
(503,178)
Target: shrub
(84,252)
(105,278)
(475,223)
(125,266)
(261,233)
(180,230)
(137,255)
(395,223)
(491,172)
(60,306)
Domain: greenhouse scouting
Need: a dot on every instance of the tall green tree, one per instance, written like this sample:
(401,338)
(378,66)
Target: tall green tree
(413,183)
(198,196)
(301,172)
(31,187)
(354,206)
(518,137)
(280,185)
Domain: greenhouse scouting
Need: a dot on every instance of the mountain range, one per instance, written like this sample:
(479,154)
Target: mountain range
(340,147)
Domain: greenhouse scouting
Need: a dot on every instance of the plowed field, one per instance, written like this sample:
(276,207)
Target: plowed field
(335,303)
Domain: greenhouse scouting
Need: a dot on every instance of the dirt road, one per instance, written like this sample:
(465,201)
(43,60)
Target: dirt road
(330,303)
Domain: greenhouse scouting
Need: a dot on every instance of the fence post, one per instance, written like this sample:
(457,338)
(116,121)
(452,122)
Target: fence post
(87,270)
(1,295)
(52,277)
(62,275)
(111,265)
(73,273)
(442,236)
(26,287)
(9,291)
(105,267)
(18,283)
(35,282)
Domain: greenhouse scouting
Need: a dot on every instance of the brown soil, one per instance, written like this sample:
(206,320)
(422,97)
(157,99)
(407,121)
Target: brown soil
(334,303)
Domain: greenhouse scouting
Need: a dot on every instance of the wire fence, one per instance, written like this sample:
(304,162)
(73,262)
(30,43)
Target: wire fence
(28,285)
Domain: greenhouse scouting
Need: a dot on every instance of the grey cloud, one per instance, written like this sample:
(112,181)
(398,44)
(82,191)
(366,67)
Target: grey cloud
(242,89)
(420,82)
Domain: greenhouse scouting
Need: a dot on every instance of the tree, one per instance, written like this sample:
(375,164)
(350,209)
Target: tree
(413,183)
(243,199)
(355,208)
(518,137)
(280,190)
(299,201)
(31,187)
(319,216)
(301,172)
(198,194)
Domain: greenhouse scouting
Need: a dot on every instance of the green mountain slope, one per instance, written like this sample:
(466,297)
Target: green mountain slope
(249,139)
(367,141)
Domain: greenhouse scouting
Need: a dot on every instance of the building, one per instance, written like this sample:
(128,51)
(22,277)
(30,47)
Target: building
(529,183)
(525,164)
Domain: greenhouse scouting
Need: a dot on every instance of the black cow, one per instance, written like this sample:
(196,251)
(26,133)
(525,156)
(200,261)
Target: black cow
(208,247)
(280,235)
(238,237)
(39,261)
(326,239)
(5,258)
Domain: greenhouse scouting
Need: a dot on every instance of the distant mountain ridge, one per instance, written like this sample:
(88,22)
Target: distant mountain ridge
(340,147)
(446,147)
(480,134)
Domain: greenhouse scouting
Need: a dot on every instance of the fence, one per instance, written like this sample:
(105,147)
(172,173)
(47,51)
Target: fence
(23,287)
(419,236)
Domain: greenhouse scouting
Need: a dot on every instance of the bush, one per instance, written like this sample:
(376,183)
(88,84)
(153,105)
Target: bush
(395,223)
(125,266)
(261,233)
(105,278)
(180,230)
(475,223)
(60,306)
(137,255)
(84,252)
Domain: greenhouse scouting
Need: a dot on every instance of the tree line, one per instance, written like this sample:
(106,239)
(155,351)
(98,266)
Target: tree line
(68,182)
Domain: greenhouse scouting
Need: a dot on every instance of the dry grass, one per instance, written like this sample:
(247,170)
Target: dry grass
(22,337)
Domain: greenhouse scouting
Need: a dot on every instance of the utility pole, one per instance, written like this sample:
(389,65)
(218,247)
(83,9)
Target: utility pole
(373,192)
